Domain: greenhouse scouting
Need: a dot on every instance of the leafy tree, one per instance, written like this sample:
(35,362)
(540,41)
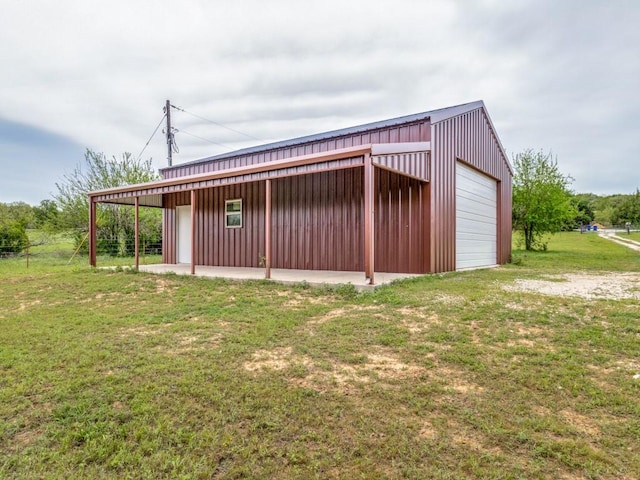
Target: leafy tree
(13,238)
(541,197)
(47,216)
(584,210)
(628,209)
(115,224)
(17,212)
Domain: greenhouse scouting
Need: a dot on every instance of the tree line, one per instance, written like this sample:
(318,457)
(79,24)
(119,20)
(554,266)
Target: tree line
(68,211)
(543,203)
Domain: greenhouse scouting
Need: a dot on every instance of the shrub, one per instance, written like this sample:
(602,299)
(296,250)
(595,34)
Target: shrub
(13,239)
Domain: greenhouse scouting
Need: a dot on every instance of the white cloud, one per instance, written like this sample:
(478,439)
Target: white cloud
(558,76)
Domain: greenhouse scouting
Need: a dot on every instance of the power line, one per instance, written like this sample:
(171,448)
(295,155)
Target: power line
(216,123)
(148,141)
(205,139)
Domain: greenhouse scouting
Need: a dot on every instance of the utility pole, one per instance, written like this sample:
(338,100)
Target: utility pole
(167,111)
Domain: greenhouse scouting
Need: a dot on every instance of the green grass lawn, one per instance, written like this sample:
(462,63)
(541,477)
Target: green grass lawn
(124,375)
(633,236)
(50,252)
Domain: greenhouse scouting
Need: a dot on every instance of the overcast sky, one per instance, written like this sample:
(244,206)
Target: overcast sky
(558,75)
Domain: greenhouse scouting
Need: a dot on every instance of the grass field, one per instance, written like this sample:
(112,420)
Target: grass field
(633,236)
(124,375)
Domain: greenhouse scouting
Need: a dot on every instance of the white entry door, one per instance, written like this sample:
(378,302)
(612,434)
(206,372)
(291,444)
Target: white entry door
(476,218)
(183,234)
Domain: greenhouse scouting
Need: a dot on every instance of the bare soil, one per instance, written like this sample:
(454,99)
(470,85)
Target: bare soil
(611,286)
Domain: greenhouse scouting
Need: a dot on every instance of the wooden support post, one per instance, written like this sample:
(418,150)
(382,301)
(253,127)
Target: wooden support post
(369,247)
(137,232)
(92,232)
(193,232)
(267,230)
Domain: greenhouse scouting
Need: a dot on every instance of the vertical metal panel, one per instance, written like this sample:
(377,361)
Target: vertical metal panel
(413,132)
(414,164)
(316,221)
(468,137)
(401,222)
(216,245)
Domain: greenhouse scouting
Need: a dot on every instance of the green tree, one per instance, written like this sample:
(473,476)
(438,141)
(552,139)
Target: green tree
(14,218)
(584,210)
(115,224)
(13,239)
(17,212)
(629,209)
(47,216)
(541,197)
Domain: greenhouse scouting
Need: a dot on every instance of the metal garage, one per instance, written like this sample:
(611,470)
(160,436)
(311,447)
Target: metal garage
(380,197)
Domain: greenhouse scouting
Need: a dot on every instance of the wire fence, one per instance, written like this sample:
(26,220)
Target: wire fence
(72,249)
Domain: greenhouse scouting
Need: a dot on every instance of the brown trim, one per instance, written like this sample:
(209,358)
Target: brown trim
(245,170)
(193,232)
(137,232)
(92,232)
(369,199)
(267,229)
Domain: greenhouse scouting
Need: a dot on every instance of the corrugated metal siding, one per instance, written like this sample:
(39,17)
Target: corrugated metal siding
(414,164)
(316,223)
(120,199)
(413,132)
(152,196)
(467,137)
(215,244)
(400,223)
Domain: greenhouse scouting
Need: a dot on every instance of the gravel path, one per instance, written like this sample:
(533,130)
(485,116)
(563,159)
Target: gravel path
(632,244)
(612,286)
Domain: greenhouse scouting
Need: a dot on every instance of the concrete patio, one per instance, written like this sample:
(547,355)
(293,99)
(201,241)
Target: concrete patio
(280,275)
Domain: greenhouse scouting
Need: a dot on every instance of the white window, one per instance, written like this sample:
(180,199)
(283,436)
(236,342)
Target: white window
(233,213)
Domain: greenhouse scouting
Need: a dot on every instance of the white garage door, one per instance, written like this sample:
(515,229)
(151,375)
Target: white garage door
(476,218)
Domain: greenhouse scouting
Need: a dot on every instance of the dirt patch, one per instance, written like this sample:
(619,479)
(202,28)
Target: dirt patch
(456,381)
(608,286)
(313,322)
(580,422)
(340,376)
(161,284)
(190,343)
(417,320)
(26,438)
(428,431)
(297,300)
(145,330)
(276,359)
(24,306)
(448,299)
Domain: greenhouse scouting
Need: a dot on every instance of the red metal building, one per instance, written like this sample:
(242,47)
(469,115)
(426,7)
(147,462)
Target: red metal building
(429,192)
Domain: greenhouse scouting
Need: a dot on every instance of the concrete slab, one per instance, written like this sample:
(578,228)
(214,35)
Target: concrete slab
(280,275)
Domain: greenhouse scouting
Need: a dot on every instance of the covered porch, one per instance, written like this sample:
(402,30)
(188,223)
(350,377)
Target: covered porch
(409,160)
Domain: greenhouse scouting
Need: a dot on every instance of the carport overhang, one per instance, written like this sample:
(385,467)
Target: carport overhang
(408,159)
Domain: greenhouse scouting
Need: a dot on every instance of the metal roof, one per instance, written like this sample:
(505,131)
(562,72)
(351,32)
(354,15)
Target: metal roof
(435,116)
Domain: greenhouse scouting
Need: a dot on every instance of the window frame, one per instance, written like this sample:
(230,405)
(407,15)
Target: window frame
(232,213)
